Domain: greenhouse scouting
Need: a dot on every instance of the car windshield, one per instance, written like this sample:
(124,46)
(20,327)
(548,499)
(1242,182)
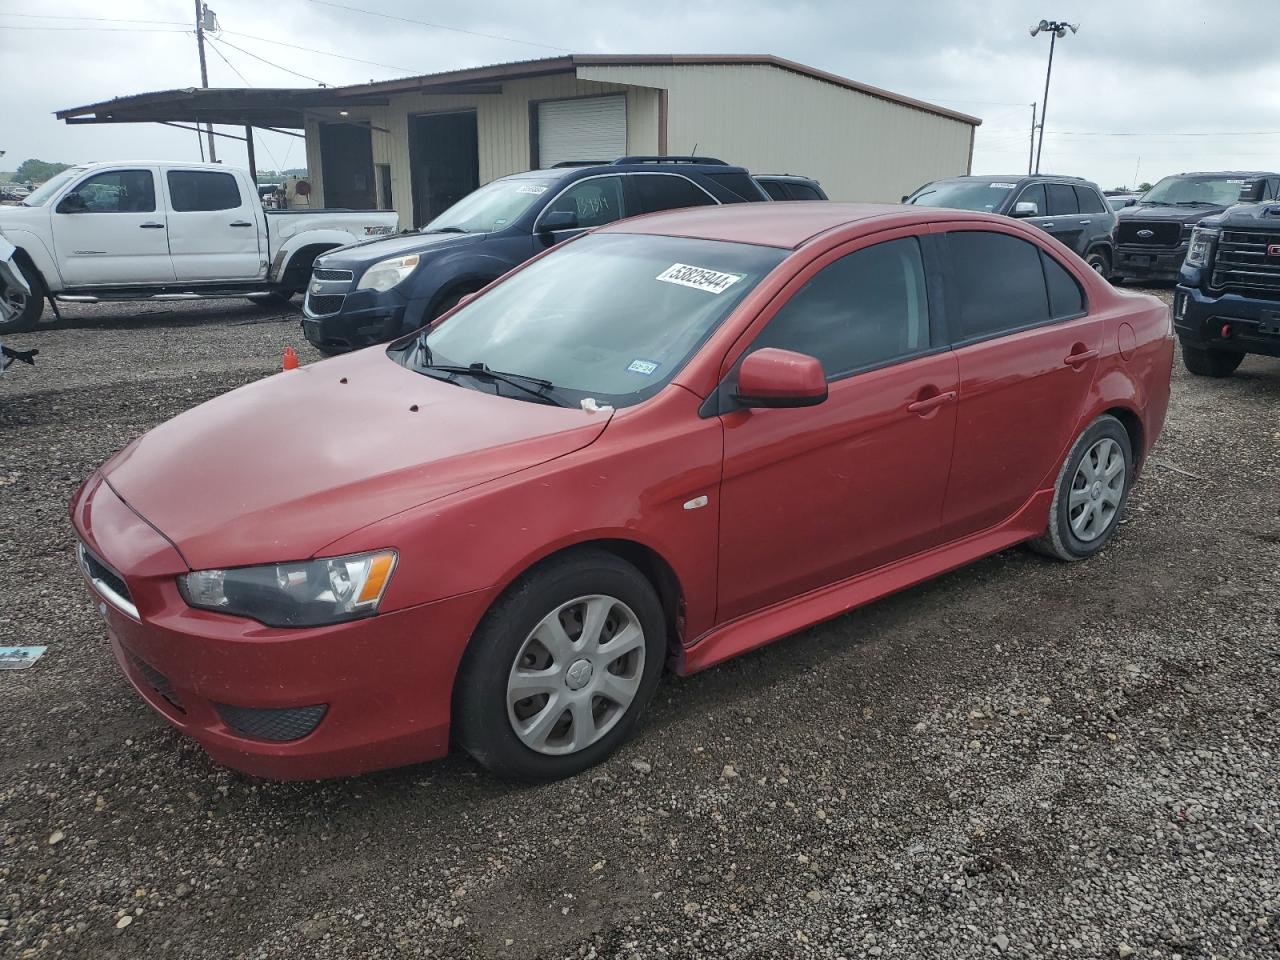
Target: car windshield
(984,195)
(1219,191)
(40,196)
(491,207)
(610,316)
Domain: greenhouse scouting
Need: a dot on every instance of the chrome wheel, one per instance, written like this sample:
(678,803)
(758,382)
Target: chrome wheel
(1097,490)
(15,305)
(576,674)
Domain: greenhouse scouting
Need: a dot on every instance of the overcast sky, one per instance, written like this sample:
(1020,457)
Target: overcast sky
(1133,92)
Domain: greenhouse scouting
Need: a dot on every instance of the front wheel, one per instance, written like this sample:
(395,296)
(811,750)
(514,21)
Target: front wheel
(273,300)
(1091,493)
(1210,363)
(561,667)
(25,309)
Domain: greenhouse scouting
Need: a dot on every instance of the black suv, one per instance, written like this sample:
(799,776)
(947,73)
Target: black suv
(1069,208)
(1227,303)
(1152,234)
(790,186)
(378,289)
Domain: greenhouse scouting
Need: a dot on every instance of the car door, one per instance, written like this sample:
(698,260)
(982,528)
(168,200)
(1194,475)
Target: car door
(593,201)
(1064,221)
(653,192)
(214,231)
(1096,218)
(814,495)
(1027,352)
(108,229)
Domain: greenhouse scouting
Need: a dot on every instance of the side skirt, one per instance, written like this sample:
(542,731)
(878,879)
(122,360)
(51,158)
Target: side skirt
(790,616)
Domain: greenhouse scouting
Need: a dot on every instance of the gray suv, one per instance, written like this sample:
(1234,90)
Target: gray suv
(1070,208)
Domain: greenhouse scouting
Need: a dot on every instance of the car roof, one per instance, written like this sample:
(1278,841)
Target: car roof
(785,225)
(575,169)
(1224,173)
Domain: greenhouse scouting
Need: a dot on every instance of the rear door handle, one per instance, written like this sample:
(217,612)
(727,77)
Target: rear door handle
(1085,223)
(241,223)
(1048,225)
(931,403)
(151,225)
(1084,356)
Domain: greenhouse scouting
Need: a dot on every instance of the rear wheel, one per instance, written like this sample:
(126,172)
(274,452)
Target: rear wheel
(1099,262)
(26,309)
(560,669)
(1091,493)
(1210,363)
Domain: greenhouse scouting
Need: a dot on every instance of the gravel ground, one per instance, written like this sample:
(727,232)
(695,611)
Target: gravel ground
(1022,758)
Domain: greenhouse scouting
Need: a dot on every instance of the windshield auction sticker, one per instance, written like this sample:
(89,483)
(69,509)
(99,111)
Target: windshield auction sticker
(700,278)
(532,188)
(1001,186)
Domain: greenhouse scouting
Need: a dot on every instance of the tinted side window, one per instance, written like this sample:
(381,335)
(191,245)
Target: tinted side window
(999,284)
(117,191)
(1062,199)
(865,309)
(802,191)
(1089,200)
(739,184)
(202,190)
(774,189)
(1035,194)
(595,201)
(657,191)
(1066,299)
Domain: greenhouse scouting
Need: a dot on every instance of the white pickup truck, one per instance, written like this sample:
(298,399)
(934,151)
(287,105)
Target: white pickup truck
(137,231)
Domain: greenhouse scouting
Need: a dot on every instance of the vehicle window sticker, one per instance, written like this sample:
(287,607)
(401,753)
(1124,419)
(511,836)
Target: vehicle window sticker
(646,367)
(532,188)
(1001,186)
(700,278)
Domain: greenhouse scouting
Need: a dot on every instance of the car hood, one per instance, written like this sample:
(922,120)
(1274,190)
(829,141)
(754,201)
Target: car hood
(357,256)
(278,469)
(1149,213)
(1254,216)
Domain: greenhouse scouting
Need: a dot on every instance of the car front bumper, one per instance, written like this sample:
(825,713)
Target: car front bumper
(1228,321)
(1137,262)
(286,704)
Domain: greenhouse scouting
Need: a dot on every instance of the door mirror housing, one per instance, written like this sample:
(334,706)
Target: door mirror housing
(772,377)
(558,220)
(72,203)
(1253,191)
(1026,208)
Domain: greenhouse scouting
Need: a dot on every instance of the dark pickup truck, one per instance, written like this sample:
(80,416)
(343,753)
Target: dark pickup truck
(1151,236)
(1227,303)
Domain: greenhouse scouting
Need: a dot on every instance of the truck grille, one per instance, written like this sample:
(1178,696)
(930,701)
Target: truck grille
(322,273)
(319,305)
(1242,263)
(1163,233)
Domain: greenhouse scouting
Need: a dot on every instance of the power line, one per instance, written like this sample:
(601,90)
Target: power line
(439,26)
(51,16)
(223,58)
(5,26)
(266,61)
(294,46)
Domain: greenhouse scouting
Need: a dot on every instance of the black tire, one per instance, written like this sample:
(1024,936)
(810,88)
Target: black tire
(273,300)
(481,721)
(32,307)
(1060,540)
(1210,363)
(1099,262)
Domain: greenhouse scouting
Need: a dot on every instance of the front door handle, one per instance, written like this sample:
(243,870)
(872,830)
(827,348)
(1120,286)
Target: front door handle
(1046,226)
(931,403)
(1085,223)
(241,223)
(1084,356)
(151,225)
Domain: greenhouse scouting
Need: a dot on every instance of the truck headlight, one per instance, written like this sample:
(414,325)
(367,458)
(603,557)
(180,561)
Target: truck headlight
(385,274)
(306,594)
(1201,249)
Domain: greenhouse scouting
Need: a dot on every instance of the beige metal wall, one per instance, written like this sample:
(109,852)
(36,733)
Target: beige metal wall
(771,120)
(502,122)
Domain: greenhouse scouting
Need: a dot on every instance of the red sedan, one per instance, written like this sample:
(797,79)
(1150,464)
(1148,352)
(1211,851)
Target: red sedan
(665,443)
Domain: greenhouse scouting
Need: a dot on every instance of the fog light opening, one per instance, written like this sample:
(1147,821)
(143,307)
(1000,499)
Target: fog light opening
(1226,331)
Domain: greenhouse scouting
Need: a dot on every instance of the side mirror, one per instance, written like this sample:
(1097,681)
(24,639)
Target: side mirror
(905,197)
(780,378)
(1253,191)
(72,203)
(1026,208)
(558,220)
(1128,202)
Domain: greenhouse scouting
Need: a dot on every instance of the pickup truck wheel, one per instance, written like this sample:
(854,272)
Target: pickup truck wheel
(561,667)
(1099,262)
(27,309)
(1210,363)
(1092,491)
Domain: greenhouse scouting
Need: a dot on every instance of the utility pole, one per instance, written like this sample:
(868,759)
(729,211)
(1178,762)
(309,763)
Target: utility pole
(204,72)
(1032,148)
(1055,29)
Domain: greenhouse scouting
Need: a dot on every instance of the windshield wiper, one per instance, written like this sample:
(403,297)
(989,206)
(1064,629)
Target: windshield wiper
(445,230)
(540,388)
(1195,203)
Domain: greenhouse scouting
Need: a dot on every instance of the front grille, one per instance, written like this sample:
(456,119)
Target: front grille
(1163,233)
(158,682)
(319,305)
(290,723)
(99,571)
(323,273)
(1242,263)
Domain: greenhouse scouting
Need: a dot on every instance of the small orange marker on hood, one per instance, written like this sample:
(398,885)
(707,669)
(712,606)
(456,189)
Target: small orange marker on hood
(290,359)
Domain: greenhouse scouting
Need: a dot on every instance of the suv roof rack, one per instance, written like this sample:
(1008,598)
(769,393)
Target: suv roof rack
(671,159)
(579,163)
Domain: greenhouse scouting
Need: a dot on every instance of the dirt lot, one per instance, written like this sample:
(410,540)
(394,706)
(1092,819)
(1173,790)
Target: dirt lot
(1022,758)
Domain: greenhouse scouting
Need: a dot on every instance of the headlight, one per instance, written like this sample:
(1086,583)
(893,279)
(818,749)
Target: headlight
(1201,248)
(385,274)
(306,594)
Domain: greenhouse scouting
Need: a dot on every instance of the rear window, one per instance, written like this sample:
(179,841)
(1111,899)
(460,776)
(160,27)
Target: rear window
(774,189)
(1066,299)
(1000,284)
(739,184)
(1062,199)
(194,190)
(657,191)
(1089,200)
(802,191)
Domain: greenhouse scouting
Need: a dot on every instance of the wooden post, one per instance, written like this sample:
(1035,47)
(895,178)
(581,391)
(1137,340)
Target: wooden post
(253,164)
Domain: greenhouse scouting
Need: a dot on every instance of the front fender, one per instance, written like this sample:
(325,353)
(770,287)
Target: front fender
(41,256)
(448,270)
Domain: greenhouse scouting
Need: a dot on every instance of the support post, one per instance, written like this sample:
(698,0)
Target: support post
(253,164)
(204,73)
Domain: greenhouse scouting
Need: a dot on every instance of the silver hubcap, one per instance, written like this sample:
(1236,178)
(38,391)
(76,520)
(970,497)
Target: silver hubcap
(576,674)
(1096,490)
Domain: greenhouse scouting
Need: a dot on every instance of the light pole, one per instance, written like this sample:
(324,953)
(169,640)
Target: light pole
(1055,29)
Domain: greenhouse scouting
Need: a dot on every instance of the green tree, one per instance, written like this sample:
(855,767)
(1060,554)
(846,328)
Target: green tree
(1144,187)
(39,170)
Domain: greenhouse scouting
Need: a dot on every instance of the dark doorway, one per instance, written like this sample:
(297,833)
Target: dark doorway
(346,163)
(444,159)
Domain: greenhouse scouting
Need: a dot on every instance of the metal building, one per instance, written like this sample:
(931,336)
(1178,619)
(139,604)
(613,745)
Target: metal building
(418,144)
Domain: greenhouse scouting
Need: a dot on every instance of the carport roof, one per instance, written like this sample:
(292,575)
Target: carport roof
(287,106)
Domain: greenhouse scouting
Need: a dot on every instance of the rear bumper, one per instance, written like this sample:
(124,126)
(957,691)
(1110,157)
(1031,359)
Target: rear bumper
(1251,324)
(1137,262)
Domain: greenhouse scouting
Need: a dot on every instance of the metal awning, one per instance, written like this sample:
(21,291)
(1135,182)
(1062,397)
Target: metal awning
(281,107)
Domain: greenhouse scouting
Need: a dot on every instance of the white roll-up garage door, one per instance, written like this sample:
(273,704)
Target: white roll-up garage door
(592,128)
